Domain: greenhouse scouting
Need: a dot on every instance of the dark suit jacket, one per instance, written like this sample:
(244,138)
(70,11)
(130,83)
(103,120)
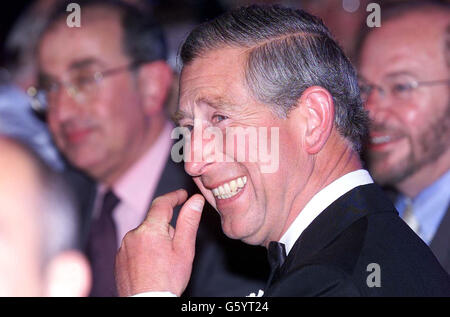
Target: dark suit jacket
(440,245)
(333,254)
(222,267)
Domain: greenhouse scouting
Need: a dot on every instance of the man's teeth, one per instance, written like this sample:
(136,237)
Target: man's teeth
(230,189)
(380,139)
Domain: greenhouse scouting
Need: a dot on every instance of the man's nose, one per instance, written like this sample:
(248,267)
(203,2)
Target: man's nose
(200,154)
(64,104)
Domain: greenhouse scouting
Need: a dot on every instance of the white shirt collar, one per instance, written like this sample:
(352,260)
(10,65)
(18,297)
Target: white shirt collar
(321,201)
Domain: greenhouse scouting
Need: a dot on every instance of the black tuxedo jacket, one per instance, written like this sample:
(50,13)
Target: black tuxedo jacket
(222,266)
(334,255)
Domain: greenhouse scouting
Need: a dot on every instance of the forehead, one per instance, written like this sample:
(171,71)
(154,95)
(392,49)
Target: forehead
(98,38)
(217,78)
(412,43)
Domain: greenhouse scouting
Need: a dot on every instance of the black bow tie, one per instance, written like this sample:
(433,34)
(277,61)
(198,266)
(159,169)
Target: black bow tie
(276,254)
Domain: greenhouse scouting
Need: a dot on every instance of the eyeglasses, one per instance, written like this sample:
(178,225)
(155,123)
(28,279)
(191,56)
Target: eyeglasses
(82,87)
(399,89)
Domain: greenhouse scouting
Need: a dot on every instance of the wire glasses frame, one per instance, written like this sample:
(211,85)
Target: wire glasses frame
(40,96)
(397,90)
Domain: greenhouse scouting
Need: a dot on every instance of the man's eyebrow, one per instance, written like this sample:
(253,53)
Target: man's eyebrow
(75,65)
(44,76)
(84,63)
(219,103)
(399,73)
(179,115)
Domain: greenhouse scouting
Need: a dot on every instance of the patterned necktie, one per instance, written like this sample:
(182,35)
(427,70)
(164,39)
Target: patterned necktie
(102,248)
(276,254)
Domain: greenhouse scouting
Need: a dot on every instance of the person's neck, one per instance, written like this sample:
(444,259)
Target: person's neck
(335,161)
(147,141)
(414,184)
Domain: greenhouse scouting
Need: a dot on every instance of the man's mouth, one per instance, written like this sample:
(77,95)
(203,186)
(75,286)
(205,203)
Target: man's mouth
(230,189)
(380,139)
(77,136)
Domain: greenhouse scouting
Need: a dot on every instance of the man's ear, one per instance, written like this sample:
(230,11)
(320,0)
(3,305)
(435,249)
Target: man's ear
(68,275)
(318,109)
(155,81)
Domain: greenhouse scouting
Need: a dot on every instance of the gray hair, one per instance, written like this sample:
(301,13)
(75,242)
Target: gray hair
(289,51)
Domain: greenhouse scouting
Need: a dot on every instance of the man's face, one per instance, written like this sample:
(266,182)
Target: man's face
(213,94)
(410,127)
(99,131)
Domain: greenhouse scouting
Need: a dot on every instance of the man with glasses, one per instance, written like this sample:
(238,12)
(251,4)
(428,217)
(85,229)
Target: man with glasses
(405,79)
(106,85)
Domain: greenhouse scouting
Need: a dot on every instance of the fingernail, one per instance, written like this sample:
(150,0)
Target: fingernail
(197,205)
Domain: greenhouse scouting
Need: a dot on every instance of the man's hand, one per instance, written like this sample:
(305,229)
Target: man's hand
(155,256)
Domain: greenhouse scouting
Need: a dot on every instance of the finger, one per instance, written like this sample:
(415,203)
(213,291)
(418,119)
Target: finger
(187,224)
(161,209)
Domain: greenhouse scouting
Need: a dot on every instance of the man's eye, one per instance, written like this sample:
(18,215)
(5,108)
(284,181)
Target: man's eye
(83,81)
(48,86)
(218,118)
(188,126)
(400,88)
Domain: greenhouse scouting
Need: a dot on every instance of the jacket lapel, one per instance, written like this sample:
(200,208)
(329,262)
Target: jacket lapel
(354,205)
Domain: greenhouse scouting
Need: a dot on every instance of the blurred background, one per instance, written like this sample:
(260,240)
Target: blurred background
(343,17)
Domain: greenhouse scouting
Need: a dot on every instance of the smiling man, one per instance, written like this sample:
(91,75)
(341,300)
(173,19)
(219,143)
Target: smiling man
(319,214)
(405,70)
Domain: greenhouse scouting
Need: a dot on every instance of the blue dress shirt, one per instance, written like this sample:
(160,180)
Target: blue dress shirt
(429,206)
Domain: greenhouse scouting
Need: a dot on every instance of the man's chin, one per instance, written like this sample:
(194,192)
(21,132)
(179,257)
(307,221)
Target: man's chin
(242,234)
(389,177)
(88,164)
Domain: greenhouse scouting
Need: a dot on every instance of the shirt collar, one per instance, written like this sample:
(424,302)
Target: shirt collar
(321,201)
(429,206)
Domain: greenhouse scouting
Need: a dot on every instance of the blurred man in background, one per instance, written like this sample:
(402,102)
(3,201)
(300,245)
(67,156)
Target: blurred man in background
(39,238)
(107,84)
(405,77)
